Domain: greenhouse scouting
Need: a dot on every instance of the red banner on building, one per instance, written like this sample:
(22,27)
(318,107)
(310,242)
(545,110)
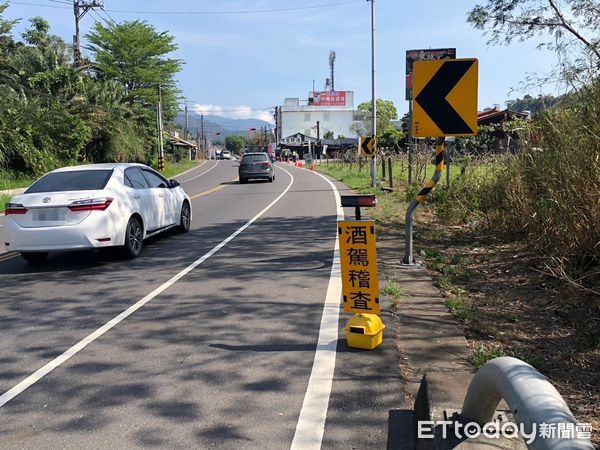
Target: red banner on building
(329,98)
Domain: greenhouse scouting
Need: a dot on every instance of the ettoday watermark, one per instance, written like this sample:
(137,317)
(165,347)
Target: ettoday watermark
(503,429)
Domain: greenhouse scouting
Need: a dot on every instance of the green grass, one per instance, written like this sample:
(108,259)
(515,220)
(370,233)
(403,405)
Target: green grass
(448,265)
(482,354)
(394,291)
(14,181)
(446,283)
(351,177)
(3,201)
(459,308)
(174,169)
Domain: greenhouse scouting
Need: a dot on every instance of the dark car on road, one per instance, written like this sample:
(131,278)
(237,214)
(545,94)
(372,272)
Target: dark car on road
(256,165)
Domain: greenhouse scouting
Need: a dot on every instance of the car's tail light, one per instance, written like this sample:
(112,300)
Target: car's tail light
(14,208)
(94,204)
(266,165)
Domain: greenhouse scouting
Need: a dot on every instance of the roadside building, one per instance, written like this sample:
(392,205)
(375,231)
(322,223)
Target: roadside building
(502,139)
(333,110)
(304,124)
(180,148)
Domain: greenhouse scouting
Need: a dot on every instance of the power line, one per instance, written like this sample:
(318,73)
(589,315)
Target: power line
(266,108)
(109,16)
(39,4)
(100,17)
(250,11)
(202,13)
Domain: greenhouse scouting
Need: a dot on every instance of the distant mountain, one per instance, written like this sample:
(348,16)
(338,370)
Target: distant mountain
(238,124)
(223,125)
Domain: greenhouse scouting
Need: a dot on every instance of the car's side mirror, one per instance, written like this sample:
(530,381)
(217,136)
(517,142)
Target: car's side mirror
(174,183)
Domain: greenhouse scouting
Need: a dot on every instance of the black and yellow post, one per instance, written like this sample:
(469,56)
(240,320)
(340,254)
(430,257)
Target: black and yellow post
(421,196)
(445,104)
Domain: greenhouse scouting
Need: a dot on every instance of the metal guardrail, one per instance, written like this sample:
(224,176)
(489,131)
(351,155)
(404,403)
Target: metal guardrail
(530,396)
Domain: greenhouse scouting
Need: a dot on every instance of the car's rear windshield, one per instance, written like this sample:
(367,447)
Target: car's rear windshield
(72,180)
(254,158)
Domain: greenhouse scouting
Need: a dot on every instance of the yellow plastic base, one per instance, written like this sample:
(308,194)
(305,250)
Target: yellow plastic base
(363,341)
(364,331)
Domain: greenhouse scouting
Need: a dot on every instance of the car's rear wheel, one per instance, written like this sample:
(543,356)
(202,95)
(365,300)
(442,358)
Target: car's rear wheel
(134,238)
(243,180)
(34,257)
(185,219)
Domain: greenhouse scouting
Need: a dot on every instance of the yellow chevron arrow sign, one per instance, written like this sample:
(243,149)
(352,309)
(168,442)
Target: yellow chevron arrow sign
(445,98)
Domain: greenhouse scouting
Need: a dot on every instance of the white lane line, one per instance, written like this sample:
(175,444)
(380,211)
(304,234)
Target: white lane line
(203,173)
(190,170)
(45,370)
(311,422)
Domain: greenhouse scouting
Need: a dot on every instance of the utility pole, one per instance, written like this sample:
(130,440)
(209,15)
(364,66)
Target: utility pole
(80,9)
(373,98)
(186,129)
(198,141)
(276,126)
(331,68)
(161,153)
(318,145)
(204,149)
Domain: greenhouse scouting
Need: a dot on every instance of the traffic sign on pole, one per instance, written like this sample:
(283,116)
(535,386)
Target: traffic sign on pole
(445,98)
(358,256)
(426,54)
(367,145)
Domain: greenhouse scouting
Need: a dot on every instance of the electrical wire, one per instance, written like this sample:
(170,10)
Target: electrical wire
(108,15)
(40,5)
(99,17)
(219,110)
(202,13)
(251,11)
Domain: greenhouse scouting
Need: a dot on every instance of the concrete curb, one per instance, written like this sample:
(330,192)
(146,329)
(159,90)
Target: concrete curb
(13,191)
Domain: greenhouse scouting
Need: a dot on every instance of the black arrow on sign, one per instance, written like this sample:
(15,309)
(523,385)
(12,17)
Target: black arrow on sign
(365,145)
(433,97)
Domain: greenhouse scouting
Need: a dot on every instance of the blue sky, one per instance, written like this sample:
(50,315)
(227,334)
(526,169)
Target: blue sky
(241,65)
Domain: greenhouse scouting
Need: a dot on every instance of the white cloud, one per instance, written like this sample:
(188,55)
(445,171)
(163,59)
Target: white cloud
(235,112)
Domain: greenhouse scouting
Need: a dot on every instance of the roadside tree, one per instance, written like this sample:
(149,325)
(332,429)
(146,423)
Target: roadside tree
(386,112)
(134,54)
(235,144)
(573,26)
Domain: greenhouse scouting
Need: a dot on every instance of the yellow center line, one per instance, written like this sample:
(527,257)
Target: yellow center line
(210,191)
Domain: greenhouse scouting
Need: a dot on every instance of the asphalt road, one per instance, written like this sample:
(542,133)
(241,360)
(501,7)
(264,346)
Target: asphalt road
(219,357)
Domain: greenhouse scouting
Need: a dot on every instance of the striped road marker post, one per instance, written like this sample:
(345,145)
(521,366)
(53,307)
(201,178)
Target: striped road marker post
(421,196)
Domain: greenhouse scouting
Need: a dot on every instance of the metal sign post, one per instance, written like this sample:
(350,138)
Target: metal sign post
(410,213)
(445,104)
(411,57)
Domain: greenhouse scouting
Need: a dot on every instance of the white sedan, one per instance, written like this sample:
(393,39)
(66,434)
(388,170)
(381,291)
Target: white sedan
(94,206)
